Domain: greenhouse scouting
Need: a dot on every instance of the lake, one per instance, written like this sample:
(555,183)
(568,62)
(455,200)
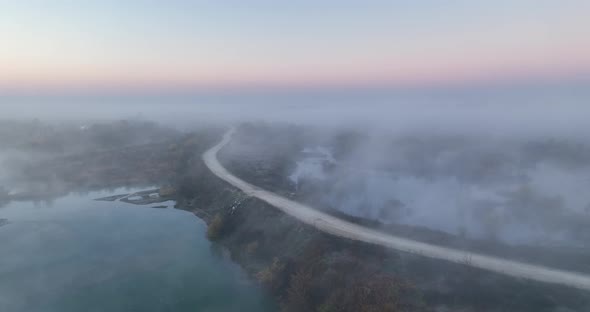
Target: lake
(78,254)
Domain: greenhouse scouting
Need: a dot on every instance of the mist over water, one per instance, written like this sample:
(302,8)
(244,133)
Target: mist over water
(506,163)
(488,168)
(294,156)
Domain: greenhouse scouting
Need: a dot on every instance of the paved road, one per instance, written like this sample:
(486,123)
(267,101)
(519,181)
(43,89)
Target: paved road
(342,228)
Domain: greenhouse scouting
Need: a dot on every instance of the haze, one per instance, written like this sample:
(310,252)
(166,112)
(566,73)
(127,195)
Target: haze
(346,155)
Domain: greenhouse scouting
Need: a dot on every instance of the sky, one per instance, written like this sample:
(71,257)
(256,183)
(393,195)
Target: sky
(150,44)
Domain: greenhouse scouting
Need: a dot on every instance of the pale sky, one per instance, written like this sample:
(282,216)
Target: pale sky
(182,44)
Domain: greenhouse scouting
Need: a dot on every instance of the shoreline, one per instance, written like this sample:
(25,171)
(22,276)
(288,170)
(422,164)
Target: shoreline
(345,229)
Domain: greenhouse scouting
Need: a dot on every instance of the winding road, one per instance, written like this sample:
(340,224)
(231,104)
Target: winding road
(343,228)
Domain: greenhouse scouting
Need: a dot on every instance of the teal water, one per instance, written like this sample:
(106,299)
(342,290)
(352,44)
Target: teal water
(77,254)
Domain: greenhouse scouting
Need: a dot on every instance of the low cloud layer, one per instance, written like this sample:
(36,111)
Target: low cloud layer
(503,110)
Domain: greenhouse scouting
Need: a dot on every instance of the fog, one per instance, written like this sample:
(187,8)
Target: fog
(508,163)
(515,191)
(507,110)
(38,155)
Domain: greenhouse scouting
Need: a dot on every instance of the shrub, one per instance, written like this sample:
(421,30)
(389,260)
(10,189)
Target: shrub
(272,276)
(165,191)
(373,294)
(252,247)
(298,294)
(215,229)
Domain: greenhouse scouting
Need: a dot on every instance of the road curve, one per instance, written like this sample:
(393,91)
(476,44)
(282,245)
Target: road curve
(339,227)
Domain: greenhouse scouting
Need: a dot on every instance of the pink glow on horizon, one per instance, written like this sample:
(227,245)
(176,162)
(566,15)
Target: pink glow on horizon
(156,45)
(387,76)
(390,66)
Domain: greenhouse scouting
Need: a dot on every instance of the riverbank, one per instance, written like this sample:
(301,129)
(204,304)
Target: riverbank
(309,270)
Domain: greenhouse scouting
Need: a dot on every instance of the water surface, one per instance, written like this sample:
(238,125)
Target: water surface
(77,254)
